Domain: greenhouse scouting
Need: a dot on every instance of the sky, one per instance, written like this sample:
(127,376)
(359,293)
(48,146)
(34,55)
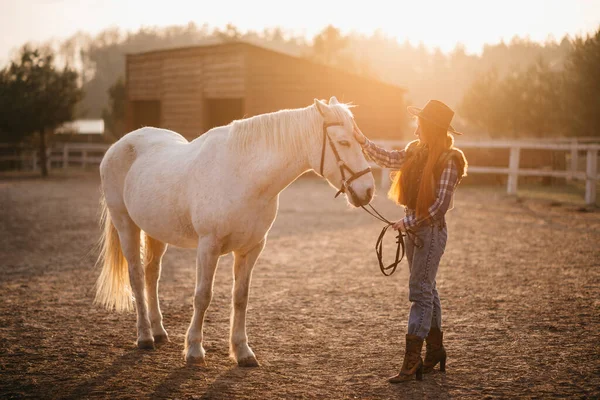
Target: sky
(440,23)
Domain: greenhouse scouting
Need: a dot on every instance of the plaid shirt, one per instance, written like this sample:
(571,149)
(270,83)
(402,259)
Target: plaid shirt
(394,159)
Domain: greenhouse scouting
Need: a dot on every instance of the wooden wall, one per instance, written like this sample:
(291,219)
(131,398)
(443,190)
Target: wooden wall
(224,73)
(276,81)
(181,79)
(144,77)
(181,97)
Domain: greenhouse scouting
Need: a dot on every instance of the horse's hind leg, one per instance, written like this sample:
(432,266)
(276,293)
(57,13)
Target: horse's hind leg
(129,235)
(242,272)
(153,253)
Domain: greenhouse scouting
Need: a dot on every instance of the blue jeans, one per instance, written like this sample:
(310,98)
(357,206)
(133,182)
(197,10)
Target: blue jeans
(423,262)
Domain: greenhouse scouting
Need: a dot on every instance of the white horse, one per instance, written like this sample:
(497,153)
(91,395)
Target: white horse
(218,193)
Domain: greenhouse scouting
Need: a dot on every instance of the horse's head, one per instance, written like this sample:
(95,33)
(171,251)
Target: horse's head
(341,160)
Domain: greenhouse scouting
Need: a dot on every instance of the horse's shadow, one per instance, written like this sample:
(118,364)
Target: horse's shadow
(211,384)
(173,382)
(96,383)
(219,388)
(226,385)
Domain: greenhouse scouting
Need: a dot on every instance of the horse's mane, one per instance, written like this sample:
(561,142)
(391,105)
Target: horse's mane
(289,130)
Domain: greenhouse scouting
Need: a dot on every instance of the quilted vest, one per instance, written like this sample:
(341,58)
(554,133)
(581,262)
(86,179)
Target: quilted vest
(411,177)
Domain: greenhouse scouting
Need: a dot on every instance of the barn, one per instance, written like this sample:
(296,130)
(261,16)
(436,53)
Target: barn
(190,90)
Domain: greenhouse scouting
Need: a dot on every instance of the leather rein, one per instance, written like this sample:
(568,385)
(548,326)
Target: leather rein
(400,249)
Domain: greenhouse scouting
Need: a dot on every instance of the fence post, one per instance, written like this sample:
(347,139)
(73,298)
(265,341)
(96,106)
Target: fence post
(591,174)
(513,170)
(65,160)
(22,159)
(49,158)
(574,161)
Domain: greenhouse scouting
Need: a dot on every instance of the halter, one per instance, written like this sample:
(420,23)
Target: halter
(400,249)
(341,164)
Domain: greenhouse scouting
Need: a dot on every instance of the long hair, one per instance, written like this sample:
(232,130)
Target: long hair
(435,140)
(290,130)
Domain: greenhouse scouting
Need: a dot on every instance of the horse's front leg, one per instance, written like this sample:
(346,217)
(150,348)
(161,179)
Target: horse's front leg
(242,273)
(207,257)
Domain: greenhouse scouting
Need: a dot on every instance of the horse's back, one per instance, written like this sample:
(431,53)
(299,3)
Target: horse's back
(149,138)
(133,147)
(155,176)
(138,143)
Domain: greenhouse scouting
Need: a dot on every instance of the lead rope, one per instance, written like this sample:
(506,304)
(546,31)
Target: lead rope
(346,185)
(401,247)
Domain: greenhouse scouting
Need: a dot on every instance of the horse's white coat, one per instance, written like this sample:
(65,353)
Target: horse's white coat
(219,194)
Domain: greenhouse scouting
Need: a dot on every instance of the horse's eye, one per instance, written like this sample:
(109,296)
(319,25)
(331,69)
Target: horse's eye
(344,143)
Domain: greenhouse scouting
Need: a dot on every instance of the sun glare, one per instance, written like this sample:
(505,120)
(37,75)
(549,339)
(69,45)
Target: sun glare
(436,24)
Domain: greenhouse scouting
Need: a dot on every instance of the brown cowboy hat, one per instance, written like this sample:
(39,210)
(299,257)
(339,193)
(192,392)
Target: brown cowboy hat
(437,113)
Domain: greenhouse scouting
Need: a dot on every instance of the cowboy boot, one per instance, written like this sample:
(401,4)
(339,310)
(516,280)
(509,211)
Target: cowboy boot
(435,352)
(413,363)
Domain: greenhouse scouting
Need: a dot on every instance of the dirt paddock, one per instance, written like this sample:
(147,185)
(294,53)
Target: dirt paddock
(520,289)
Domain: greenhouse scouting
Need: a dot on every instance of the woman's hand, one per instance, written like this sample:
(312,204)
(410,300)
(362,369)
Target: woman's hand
(358,135)
(399,226)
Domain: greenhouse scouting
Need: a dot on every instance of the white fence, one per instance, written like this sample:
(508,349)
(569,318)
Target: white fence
(83,154)
(590,175)
(60,156)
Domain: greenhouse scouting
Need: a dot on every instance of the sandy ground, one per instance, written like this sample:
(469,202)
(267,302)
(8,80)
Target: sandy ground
(520,288)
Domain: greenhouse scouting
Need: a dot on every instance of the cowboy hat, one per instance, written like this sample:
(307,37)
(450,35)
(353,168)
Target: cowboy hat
(437,113)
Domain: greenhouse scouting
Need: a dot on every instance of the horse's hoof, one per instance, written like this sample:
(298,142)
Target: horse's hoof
(146,344)
(195,361)
(161,339)
(248,362)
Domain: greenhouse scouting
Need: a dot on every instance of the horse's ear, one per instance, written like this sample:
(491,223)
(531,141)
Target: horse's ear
(333,100)
(321,107)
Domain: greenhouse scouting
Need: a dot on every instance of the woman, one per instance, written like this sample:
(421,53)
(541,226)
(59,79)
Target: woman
(429,169)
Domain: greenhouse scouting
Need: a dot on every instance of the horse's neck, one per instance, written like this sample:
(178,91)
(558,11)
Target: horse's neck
(276,169)
(278,172)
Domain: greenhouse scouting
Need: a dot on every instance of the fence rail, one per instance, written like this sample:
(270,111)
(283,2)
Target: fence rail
(61,156)
(590,175)
(84,154)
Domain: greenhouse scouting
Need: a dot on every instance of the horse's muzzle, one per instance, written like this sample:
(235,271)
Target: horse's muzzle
(359,201)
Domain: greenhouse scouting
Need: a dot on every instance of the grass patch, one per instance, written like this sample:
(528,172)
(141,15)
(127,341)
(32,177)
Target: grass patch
(572,193)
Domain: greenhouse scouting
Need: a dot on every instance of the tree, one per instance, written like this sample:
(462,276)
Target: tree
(543,100)
(114,116)
(582,74)
(523,103)
(36,98)
(426,74)
(511,104)
(480,103)
(330,47)
(328,44)
(230,34)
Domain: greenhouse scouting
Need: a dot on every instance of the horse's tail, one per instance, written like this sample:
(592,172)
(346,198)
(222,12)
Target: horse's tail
(112,288)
